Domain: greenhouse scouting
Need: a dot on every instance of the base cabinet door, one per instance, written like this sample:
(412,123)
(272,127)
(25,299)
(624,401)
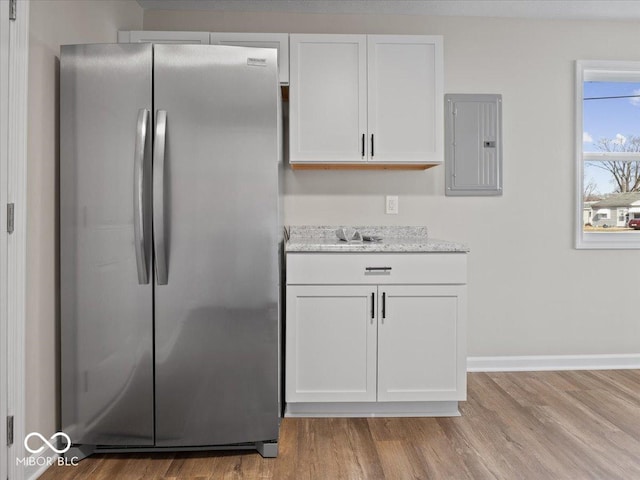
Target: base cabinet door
(331,343)
(420,343)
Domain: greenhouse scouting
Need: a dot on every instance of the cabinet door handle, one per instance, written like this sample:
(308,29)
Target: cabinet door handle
(384,305)
(372,145)
(373,302)
(377,269)
(363,145)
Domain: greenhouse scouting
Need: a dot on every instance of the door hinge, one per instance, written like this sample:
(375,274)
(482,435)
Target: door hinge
(9,430)
(10,217)
(12,9)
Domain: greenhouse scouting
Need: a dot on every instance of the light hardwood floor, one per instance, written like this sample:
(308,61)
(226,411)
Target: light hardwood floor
(525,425)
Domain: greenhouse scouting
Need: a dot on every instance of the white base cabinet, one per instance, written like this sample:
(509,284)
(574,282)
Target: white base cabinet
(380,347)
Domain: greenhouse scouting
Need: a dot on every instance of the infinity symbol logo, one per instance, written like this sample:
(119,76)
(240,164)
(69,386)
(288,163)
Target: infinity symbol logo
(47,443)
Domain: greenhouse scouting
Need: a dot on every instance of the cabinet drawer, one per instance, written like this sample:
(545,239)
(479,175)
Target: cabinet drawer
(376,268)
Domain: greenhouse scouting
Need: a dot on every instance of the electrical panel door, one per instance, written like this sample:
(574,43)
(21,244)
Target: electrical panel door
(473,150)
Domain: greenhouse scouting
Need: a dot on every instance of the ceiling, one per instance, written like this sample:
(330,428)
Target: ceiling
(622,10)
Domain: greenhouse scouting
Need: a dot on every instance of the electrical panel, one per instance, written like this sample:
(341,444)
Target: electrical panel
(473,144)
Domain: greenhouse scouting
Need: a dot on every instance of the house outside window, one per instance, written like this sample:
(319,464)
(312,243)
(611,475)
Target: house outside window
(608,153)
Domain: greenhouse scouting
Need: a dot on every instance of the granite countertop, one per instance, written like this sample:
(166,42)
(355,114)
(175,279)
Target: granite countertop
(394,239)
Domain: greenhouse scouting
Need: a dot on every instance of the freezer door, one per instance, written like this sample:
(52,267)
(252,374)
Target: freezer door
(216,317)
(105,249)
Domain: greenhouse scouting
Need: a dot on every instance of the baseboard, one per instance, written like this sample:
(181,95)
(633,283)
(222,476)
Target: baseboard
(553,362)
(372,409)
(37,463)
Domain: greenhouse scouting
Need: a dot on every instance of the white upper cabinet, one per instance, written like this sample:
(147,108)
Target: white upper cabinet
(150,36)
(279,41)
(366,100)
(405,98)
(328,99)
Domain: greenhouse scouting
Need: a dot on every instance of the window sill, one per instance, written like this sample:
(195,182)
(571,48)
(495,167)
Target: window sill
(609,241)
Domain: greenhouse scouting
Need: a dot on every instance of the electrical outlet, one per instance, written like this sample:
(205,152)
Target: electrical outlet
(392,204)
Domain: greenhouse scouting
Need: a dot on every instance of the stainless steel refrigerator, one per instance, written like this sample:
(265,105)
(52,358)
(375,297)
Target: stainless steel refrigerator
(169,247)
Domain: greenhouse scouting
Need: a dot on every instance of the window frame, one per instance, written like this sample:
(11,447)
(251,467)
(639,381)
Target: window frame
(599,70)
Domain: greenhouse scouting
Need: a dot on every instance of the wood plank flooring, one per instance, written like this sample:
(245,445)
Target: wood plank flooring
(525,425)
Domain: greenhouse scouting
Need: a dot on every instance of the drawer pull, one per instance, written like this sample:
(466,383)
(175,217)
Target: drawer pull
(378,269)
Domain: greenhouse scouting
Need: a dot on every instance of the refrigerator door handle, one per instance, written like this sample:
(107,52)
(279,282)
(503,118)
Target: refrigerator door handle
(158,197)
(139,195)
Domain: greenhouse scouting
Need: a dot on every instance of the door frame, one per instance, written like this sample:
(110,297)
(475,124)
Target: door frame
(14,60)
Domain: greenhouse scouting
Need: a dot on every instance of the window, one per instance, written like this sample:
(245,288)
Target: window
(608,153)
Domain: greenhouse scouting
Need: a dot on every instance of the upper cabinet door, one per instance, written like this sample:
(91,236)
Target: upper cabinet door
(328,99)
(405,98)
(144,36)
(279,41)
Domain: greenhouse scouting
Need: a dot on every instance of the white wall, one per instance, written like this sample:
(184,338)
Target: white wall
(53,23)
(530,292)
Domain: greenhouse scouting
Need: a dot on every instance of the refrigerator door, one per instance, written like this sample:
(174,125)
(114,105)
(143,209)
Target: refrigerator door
(216,318)
(105,249)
